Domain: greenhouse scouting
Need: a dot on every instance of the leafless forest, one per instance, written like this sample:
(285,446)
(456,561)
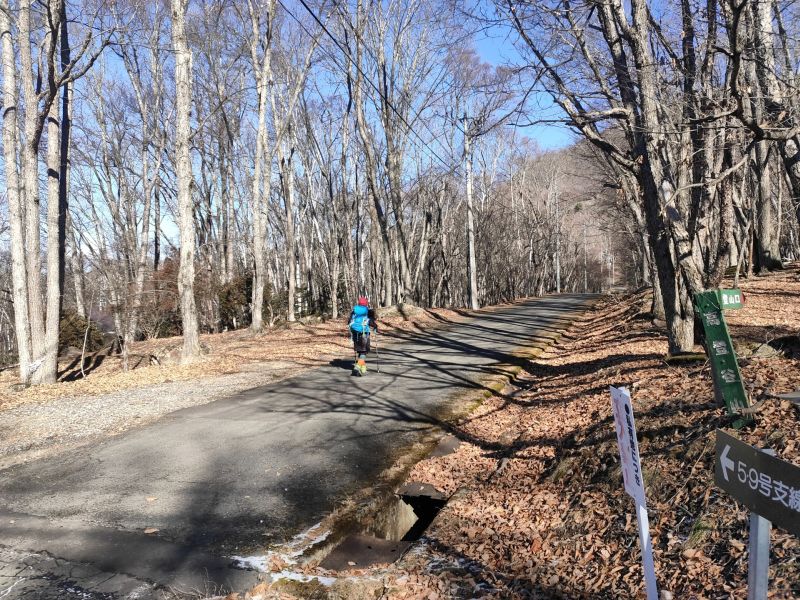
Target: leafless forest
(188,167)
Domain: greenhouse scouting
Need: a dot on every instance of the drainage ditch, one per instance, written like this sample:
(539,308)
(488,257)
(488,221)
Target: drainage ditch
(407,517)
(393,524)
(377,528)
(391,532)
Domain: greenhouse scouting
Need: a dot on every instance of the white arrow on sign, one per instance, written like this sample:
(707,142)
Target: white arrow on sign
(725,462)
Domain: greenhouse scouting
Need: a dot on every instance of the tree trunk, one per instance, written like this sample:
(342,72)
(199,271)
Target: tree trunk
(262,70)
(30,169)
(766,252)
(367,139)
(287,175)
(183,172)
(157,225)
(394,161)
(760,74)
(16,198)
(678,275)
(657,304)
(66,135)
(722,257)
(48,355)
(76,264)
(226,192)
(48,371)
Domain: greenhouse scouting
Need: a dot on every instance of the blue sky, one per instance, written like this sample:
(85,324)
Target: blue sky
(494,45)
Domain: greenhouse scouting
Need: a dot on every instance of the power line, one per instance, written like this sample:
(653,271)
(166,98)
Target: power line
(369,51)
(346,52)
(380,93)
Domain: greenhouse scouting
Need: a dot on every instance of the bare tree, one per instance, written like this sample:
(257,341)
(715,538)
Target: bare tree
(39,83)
(183,172)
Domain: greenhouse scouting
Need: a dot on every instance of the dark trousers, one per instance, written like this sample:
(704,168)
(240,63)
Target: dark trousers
(360,342)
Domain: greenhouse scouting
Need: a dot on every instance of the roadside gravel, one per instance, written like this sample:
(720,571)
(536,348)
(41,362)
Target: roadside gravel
(38,429)
(43,420)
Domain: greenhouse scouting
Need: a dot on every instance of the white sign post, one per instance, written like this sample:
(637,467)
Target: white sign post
(633,480)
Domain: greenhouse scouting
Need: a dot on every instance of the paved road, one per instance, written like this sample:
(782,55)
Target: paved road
(234,475)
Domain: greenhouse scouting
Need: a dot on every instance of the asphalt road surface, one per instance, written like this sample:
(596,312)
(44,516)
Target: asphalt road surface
(234,475)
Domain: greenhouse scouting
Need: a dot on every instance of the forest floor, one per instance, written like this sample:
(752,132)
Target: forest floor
(537,508)
(41,420)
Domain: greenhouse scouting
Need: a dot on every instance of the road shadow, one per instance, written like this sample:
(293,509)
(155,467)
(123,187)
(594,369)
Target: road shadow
(341,363)
(238,474)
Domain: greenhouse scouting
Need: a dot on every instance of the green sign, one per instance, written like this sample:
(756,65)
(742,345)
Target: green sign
(730,299)
(728,387)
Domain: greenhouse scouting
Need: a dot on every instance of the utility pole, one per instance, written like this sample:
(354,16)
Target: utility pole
(585,273)
(558,242)
(472,274)
(553,200)
(613,279)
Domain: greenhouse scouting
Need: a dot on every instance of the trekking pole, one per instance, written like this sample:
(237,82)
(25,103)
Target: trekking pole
(377,352)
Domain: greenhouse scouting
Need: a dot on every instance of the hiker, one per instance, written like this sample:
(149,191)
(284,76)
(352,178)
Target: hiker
(362,319)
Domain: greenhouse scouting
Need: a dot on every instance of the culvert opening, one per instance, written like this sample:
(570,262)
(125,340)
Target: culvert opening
(404,518)
(426,509)
(388,534)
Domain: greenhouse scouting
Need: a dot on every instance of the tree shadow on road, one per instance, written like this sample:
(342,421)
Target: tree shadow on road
(366,422)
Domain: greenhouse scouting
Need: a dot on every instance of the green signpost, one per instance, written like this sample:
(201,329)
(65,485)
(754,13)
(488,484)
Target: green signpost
(728,387)
(729,299)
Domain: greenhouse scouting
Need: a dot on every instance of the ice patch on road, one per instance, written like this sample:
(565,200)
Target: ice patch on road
(303,578)
(80,593)
(251,563)
(305,540)
(287,553)
(261,563)
(5,593)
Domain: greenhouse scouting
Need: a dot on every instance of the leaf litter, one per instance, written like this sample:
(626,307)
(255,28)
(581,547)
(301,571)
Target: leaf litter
(537,507)
(42,420)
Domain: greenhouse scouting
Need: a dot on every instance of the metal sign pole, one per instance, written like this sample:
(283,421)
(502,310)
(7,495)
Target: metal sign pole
(647,552)
(770,488)
(758,560)
(728,386)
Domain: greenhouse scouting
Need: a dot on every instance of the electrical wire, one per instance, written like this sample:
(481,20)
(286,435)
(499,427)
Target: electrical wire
(369,51)
(346,52)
